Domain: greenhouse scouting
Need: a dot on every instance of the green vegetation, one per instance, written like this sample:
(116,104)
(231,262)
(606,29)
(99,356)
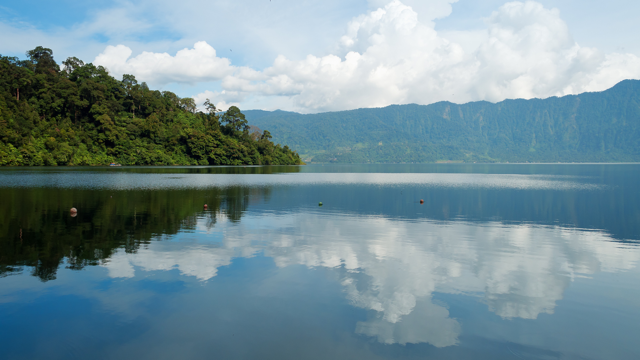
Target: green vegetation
(590,127)
(80,115)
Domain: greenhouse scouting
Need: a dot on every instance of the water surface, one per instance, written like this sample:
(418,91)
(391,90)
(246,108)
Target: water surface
(500,262)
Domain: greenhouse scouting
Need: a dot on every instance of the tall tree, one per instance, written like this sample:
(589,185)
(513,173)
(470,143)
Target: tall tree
(235,120)
(42,59)
(71,64)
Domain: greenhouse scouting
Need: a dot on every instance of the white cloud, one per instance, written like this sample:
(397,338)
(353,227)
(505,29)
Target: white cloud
(394,55)
(427,10)
(530,53)
(308,56)
(394,58)
(187,66)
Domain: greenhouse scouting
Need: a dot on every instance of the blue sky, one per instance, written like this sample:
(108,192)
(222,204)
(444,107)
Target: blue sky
(312,56)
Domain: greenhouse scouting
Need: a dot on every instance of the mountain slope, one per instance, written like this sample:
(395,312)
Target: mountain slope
(602,126)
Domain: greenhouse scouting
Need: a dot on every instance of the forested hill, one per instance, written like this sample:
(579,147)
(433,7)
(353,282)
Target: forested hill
(80,115)
(598,127)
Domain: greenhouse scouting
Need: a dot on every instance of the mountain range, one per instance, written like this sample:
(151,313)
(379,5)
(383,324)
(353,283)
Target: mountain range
(589,127)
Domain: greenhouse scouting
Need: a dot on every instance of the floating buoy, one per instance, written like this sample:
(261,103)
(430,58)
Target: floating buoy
(421,201)
(73,212)
(205,206)
(320,203)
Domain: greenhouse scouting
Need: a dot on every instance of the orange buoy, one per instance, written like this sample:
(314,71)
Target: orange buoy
(421,201)
(73,212)
(205,206)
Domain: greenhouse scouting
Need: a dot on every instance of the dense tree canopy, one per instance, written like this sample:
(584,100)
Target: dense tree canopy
(80,115)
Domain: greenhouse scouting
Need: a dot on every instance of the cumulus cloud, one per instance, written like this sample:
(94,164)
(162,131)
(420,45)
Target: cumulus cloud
(428,10)
(393,55)
(188,65)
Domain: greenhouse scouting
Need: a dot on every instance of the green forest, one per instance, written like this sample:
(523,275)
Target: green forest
(78,114)
(589,127)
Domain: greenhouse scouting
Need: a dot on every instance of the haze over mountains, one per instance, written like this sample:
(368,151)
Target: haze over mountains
(590,127)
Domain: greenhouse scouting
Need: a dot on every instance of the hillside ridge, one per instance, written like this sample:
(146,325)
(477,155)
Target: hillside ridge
(593,126)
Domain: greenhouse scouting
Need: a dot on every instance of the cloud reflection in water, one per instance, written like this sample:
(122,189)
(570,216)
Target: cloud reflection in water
(392,267)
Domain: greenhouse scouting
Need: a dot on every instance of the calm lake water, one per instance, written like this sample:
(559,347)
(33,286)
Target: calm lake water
(500,262)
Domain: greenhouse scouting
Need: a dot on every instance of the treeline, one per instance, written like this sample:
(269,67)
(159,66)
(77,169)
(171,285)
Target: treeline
(391,153)
(78,114)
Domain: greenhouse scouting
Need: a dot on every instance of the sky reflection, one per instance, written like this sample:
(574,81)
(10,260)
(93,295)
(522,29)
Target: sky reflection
(537,263)
(393,267)
(141,181)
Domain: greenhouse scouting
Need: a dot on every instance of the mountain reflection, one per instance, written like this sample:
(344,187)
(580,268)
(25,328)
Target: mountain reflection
(393,267)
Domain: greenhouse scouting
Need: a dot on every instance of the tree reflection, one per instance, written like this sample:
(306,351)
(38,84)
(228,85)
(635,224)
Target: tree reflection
(40,233)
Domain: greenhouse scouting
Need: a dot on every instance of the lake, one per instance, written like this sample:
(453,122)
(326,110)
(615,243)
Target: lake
(500,261)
